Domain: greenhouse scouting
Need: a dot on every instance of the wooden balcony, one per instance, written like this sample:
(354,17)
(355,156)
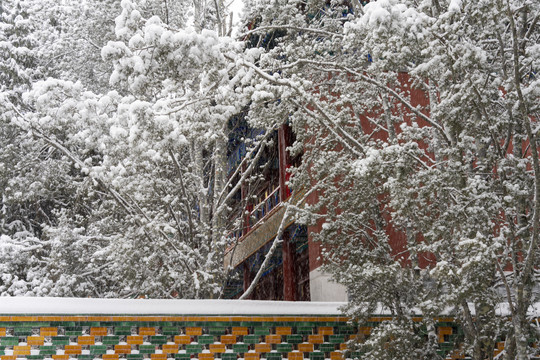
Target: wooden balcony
(264,229)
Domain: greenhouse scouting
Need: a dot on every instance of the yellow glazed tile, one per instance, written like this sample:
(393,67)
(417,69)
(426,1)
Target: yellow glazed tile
(98,331)
(217,348)
(316,339)
(86,340)
(169,348)
(326,330)
(49,331)
(122,349)
(287,318)
(206,356)
(135,340)
(147,331)
(72,349)
(110,356)
(194,331)
(263,348)
(283,330)
(21,350)
(273,339)
(251,356)
(61,357)
(24,318)
(228,339)
(35,340)
(239,330)
(182,339)
(295,355)
(305,347)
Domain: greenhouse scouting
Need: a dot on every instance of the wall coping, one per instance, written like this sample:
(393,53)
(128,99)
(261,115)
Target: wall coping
(80,306)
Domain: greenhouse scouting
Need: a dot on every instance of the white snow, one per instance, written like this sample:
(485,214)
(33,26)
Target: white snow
(80,306)
(454,6)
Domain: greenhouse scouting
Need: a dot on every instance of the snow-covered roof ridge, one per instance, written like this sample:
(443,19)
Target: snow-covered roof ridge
(82,306)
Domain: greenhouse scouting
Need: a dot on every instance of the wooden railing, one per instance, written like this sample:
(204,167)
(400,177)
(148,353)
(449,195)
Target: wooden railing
(264,207)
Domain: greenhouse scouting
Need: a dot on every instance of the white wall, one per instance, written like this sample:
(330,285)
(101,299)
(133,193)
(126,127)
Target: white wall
(322,288)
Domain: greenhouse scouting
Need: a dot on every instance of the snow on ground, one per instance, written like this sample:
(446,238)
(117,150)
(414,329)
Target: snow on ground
(79,306)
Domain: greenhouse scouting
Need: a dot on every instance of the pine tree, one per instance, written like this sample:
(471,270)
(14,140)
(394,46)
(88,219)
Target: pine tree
(416,122)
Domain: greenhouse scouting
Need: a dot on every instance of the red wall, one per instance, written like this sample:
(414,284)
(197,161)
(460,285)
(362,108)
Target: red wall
(398,240)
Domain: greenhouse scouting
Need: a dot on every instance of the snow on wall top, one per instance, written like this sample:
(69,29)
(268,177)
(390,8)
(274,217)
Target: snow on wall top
(80,306)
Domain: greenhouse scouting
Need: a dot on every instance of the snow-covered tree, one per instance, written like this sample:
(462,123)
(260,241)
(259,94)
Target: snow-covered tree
(417,121)
(418,125)
(146,163)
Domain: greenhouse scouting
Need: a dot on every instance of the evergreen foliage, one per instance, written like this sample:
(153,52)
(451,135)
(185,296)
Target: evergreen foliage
(417,121)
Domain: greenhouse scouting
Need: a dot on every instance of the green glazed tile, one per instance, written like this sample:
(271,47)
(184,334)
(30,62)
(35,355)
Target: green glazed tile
(326,347)
(22,331)
(216,330)
(9,341)
(74,328)
(206,339)
(347,330)
(134,356)
(295,339)
(60,340)
(158,339)
(170,330)
(193,349)
(446,346)
(252,339)
(98,349)
(336,339)
(284,348)
(182,356)
(274,356)
(304,330)
(261,330)
(229,356)
(34,357)
(122,330)
(147,349)
(47,352)
(110,340)
(240,348)
(39,324)
(73,332)
(47,347)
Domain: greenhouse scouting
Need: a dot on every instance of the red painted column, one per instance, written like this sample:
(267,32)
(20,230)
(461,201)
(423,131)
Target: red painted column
(284,162)
(289,273)
(288,248)
(244,193)
(247,277)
